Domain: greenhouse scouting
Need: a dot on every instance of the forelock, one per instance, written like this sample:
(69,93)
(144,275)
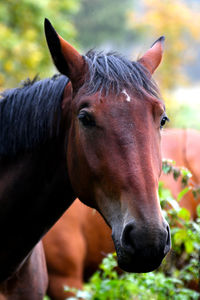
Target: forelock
(111,73)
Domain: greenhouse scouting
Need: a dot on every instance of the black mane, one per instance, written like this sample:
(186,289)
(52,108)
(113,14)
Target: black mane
(112,73)
(27,113)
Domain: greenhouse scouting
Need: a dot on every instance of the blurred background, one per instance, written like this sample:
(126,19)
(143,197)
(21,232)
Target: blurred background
(128,26)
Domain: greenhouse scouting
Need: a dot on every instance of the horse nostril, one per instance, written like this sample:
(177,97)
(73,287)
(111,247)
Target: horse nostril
(168,241)
(128,237)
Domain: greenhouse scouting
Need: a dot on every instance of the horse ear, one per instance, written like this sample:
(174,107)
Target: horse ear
(66,58)
(152,58)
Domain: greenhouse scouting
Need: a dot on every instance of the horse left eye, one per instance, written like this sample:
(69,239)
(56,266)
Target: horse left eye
(163,121)
(86,119)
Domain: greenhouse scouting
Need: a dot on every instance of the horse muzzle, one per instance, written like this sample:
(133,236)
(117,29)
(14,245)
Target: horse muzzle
(141,249)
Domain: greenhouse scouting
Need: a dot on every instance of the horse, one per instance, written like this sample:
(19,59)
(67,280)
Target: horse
(74,248)
(92,132)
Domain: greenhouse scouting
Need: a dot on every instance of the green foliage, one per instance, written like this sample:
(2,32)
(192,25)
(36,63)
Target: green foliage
(198,211)
(185,233)
(168,167)
(105,284)
(23,51)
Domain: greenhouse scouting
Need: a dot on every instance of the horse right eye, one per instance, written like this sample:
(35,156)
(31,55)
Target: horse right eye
(163,121)
(86,119)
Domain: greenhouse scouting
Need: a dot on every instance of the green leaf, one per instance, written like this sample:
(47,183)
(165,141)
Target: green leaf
(184,214)
(174,204)
(189,246)
(180,236)
(183,192)
(198,210)
(167,165)
(176,173)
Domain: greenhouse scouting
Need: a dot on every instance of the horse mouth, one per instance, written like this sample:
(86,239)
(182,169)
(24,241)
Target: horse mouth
(135,265)
(141,261)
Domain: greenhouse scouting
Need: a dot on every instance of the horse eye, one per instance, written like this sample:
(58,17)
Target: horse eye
(86,119)
(163,121)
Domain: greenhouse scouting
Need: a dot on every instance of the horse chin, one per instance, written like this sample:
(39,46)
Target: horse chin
(135,264)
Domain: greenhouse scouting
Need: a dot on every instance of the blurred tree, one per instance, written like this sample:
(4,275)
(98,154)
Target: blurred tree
(180,24)
(23,51)
(104,22)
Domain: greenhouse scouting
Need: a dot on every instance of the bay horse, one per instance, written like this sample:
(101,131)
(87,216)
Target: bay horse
(77,243)
(93,133)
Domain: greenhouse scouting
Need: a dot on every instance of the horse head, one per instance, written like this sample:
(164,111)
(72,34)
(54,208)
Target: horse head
(113,115)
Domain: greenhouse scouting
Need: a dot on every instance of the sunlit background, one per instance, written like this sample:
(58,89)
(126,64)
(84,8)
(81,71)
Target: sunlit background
(128,26)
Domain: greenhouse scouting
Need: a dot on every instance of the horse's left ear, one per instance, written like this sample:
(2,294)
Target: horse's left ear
(66,58)
(152,58)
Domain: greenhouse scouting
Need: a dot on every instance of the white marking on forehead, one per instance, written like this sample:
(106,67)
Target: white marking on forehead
(127,95)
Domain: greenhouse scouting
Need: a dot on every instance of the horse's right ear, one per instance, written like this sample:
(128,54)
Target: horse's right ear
(152,58)
(66,58)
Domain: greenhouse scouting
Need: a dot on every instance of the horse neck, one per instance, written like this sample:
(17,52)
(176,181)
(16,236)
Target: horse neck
(35,191)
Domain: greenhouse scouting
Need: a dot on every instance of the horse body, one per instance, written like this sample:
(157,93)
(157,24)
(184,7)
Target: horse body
(79,241)
(182,145)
